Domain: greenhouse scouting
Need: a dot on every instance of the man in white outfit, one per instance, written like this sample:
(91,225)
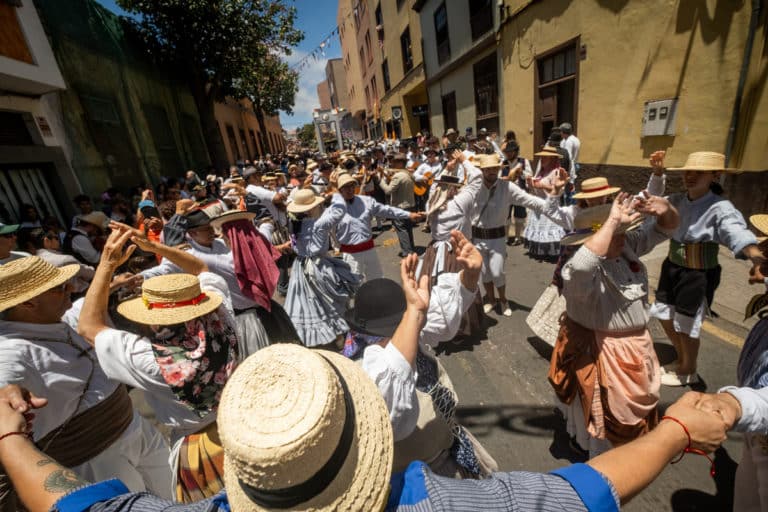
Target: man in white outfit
(93,427)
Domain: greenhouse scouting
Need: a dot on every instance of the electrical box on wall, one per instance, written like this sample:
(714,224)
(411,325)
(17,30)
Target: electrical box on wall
(659,117)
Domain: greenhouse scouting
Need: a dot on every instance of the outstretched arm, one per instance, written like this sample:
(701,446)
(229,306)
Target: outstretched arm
(406,337)
(188,262)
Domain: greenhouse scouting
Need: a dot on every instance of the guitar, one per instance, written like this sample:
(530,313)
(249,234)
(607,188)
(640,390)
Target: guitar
(422,187)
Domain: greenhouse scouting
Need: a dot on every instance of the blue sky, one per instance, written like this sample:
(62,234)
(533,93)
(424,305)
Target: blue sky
(317,18)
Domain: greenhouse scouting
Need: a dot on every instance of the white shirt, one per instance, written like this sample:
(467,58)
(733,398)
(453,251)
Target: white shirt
(497,210)
(128,358)
(15,255)
(395,378)
(455,213)
(355,226)
(41,358)
(572,144)
(265,196)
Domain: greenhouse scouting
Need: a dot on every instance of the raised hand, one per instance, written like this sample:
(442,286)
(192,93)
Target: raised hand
(651,205)
(114,252)
(560,179)
(469,258)
(416,291)
(623,211)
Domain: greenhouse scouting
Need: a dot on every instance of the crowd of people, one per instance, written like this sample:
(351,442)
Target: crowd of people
(282,370)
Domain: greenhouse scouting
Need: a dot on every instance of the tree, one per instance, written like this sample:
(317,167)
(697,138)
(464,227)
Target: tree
(224,48)
(306,134)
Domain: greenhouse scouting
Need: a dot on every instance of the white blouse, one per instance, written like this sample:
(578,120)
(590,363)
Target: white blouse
(128,358)
(395,378)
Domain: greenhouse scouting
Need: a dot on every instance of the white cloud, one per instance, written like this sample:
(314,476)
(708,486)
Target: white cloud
(306,99)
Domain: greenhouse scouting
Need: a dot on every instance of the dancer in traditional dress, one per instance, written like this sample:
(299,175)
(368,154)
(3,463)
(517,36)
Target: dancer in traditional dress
(320,286)
(691,273)
(604,367)
(179,347)
(542,234)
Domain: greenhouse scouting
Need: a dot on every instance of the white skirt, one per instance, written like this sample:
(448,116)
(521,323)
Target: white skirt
(544,318)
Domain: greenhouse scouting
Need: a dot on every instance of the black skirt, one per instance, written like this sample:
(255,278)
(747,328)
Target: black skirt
(685,288)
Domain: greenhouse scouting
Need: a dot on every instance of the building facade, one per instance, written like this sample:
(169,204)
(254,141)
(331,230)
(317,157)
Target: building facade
(240,131)
(461,63)
(337,83)
(404,105)
(34,160)
(673,85)
(324,95)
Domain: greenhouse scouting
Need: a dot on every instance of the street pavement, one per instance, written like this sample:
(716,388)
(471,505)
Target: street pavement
(507,403)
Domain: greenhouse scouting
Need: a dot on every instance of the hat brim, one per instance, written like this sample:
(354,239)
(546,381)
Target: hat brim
(63,275)
(760,221)
(231,216)
(8,229)
(548,153)
(578,239)
(136,311)
(384,327)
(301,208)
(597,193)
(450,183)
(362,483)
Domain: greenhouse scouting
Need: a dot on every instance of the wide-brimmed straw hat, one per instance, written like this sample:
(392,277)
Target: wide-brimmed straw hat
(304,430)
(99,219)
(760,221)
(25,278)
(548,151)
(486,161)
(170,299)
(345,179)
(595,187)
(379,308)
(589,221)
(303,201)
(230,216)
(704,161)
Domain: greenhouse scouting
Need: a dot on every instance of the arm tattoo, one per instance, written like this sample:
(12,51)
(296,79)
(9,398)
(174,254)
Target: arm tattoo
(62,481)
(45,462)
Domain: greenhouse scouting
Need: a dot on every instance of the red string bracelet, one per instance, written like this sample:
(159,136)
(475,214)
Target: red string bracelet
(25,434)
(689,449)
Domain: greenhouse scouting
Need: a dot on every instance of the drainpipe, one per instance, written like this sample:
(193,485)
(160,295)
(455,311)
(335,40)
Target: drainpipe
(756,6)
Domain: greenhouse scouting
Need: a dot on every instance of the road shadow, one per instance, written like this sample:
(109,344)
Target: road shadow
(539,421)
(515,306)
(466,343)
(693,500)
(541,347)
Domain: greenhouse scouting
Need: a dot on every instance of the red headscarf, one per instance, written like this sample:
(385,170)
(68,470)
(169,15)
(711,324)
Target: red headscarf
(255,258)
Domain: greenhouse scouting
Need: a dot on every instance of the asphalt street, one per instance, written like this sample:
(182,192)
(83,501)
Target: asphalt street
(507,403)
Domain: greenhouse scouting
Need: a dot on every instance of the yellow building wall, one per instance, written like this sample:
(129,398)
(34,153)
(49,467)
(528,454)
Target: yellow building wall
(645,50)
(349,49)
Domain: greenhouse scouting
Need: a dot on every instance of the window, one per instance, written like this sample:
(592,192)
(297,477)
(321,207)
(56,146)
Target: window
(557,66)
(480,17)
(379,17)
(405,49)
(487,93)
(385,75)
(246,153)
(368,46)
(233,147)
(362,60)
(399,4)
(556,81)
(374,89)
(441,34)
(367,98)
(256,150)
(449,111)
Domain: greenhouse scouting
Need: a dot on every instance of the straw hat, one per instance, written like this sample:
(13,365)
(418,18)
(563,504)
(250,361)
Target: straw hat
(486,161)
(230,216)
(589,221)
(170,299)
(311,166)
(303,201)
(548,151)
(760,222)
(307,429)
(345,179)
(99,219)
(704,161)
(25,278)
(447,179)
(595,187)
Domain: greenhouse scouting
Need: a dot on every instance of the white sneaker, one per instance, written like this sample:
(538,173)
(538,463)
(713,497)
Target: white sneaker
(507,311)
(672,378)
(487,307)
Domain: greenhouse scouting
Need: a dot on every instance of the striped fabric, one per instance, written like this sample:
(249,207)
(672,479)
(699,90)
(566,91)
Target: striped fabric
(201,466)
(698,256)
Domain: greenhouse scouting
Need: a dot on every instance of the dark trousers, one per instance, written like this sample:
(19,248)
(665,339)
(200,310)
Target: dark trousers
(404,230)
(283,264)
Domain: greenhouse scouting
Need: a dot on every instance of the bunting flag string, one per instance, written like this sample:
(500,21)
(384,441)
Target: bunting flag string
(319,51)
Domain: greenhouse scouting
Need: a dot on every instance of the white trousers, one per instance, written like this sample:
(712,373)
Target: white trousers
(365,263)
(139,458)
(494,254)
(685,324)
